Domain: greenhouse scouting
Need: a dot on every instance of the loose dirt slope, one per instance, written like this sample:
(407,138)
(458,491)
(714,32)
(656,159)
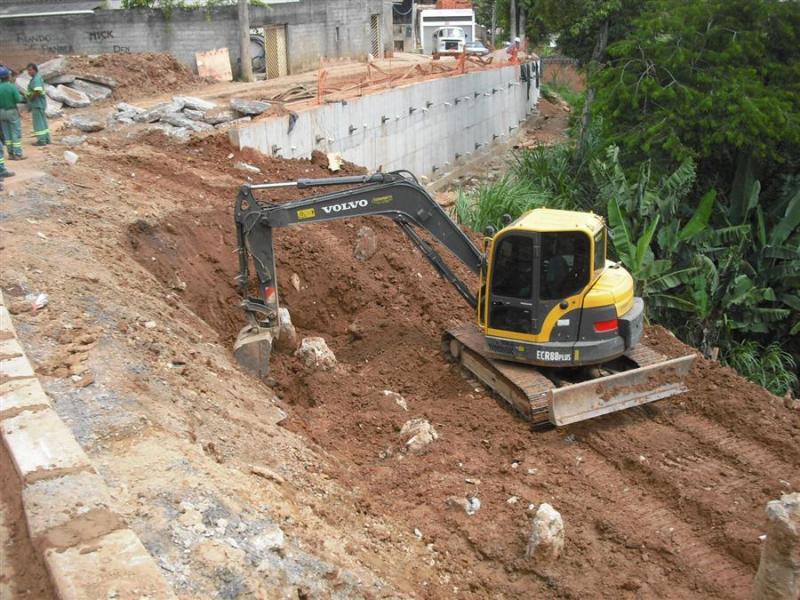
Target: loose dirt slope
(665,500)
(662,501)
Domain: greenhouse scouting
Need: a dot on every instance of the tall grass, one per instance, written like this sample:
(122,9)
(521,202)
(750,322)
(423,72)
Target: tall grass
(490,201)
(768,366)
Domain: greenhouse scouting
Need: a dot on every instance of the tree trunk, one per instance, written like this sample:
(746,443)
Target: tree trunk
(245,60)
(523,27)
(586,115)
(512,20)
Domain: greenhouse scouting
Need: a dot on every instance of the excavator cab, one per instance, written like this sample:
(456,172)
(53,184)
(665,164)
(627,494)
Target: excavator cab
(551,298)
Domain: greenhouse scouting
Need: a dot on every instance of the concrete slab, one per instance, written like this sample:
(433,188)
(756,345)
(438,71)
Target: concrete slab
(69,510)
(12,368)
(10,348)
(41,445)
(116,565)
(17,395)
(6,326)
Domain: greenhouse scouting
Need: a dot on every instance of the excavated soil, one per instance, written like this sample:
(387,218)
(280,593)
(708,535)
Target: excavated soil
(138,75)
(663,501)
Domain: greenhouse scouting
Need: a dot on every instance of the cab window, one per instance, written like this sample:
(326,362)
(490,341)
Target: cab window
(565,264)
(512,274)
(600,249)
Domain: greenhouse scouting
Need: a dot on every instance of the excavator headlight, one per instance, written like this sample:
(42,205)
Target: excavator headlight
(603,326)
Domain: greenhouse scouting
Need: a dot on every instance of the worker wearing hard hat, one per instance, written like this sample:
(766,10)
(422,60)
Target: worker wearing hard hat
(10,121)
(37,103)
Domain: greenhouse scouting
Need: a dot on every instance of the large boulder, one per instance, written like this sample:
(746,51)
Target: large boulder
(546,540)
(419,432)
(778,576)
(195,103)
(315,354)
(94,91)
(88,123)
(249,107)
(53,109)
(68,96)
(103,80)
(21,81)
(53,68)
(287,335)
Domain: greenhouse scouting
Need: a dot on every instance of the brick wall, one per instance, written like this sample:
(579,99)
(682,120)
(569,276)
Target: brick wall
(311,28)
(448,4)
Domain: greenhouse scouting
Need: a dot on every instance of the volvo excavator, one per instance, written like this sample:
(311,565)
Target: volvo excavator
(557,330)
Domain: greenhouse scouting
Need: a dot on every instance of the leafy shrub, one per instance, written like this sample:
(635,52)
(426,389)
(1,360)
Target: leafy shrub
(491,200)
(770,367)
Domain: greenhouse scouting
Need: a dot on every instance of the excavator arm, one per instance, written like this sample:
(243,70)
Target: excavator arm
(396,195)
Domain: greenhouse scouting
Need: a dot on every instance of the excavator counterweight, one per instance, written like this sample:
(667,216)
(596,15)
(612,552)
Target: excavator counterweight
(558,329)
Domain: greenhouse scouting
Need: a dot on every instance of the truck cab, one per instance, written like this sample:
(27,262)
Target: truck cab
(448,41)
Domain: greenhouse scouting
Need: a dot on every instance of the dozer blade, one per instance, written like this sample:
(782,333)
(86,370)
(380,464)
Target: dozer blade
(544,395)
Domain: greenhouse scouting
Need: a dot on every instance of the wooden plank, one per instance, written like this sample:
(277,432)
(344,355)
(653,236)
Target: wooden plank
(215,64)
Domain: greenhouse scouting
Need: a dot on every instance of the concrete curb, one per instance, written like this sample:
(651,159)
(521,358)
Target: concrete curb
(86,546)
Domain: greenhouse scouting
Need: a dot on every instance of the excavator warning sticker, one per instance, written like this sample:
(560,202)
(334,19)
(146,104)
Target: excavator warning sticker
(382,200)
(306,213)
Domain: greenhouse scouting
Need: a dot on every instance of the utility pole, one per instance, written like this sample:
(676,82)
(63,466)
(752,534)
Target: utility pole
(512,21)
(245,60)
(494,23)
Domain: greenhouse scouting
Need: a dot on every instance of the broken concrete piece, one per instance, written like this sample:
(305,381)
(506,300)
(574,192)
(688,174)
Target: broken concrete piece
(778,575)
(335,161)
(316,354)
(421,433)
(179,133)
(232,124)
(53,68)
(68,96)
(53,108)
(547,536)
(94,91)
(176,119)
(59,79)
(70,157)
(88,123)
(194,103)
(287,335)
(157,112)
(219,115)
(366,244)
(249,107)
(73,140)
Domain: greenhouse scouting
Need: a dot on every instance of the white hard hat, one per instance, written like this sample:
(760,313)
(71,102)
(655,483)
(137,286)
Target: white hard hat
(517,39)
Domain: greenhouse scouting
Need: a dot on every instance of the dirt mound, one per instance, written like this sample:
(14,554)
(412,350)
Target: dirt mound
(138,75)
(664,500)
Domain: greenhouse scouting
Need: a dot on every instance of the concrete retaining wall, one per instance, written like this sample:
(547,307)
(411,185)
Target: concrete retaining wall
(314,28)
(424,127)
(85,545)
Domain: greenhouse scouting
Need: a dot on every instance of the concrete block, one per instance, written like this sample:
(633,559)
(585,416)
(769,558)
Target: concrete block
(10,348)
(15,367)
(6,326)
(116,565)
(17,395)
(69,510)
(41,445)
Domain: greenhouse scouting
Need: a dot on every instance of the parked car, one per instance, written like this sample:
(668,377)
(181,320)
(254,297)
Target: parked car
(476,48)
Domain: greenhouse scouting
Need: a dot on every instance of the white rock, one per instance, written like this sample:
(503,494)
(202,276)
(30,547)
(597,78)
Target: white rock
(68,96)
(366,243)
(53,68)
(243,166)
(295,281)
(421,433)
(778,575)
(70,157)
(194,103)
(65,79)
(73,140)
(219,115)
(194,115)
(21,81)
(53,110)
(470,504)
(316,354)
(547,536)
(287,335)
(155,113)
(87,123)
(397,398)
(249,107)
(271,538)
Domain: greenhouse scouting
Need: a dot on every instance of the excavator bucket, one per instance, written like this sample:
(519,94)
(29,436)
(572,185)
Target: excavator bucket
(547,395)
(252,349)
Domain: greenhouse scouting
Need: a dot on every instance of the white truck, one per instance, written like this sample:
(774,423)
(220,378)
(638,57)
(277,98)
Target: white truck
(448,41)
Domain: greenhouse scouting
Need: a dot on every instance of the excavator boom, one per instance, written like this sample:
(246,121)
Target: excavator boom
(559,396)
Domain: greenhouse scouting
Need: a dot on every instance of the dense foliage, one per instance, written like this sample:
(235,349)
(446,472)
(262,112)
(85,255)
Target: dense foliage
(692,152)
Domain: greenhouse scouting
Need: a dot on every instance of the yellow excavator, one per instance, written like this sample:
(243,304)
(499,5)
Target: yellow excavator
(558,328)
